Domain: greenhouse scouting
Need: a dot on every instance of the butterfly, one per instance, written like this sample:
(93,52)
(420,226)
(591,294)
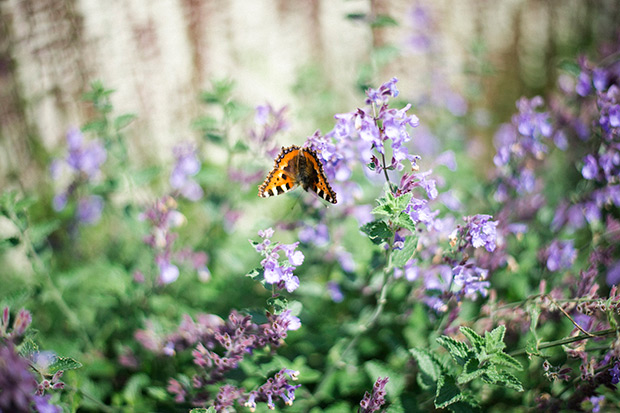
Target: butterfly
(297,166)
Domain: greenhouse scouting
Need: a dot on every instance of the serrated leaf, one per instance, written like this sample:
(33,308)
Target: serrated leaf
(506,360)
(28,348)
(430,369)
(257,274)
(531,346)
(63,363)
(471,371)
(494,340)
(402,256)
(123,120)
(476,341)
(401,203)
(404,221)
(457,349)
(447,392)
(509,380)
(377,231)
(279,303)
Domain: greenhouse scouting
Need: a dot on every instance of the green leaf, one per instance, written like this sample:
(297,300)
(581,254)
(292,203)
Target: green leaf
(158,393)
(257,274)
(430,369)
(494,340)
(509,380)
(506,360)
(97,126)
(404,221)
(28,348)
(279,303)
(63,363)
(457,349)
(473,337)
(531,346)
(40,232)
(123,120)
(132,390)
(471,371)
(377,231)
(401,256)
(401,203)
(383,20)
(447,392)
(203,410)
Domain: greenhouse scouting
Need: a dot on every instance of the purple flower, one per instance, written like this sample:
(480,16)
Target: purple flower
(614,372)
(560,255)
(590,167)
(187,165)
(381,96)
(373,402)
(480,231)
(317,235)
(596,403)
(334,292)
(84,158)
(16,381)
(42,405)
(614,116)
(277,272)
(584,84)
(471,280)
(613,274)
(89,209)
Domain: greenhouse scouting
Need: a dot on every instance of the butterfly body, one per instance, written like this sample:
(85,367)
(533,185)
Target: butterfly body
(294,167)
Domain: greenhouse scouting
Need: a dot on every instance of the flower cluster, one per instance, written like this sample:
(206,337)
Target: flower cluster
(163,216)
(218,347)
(276,272)
(83,163)
(373,402)
(186,167)
(21,323)
(20,391)
(269,122)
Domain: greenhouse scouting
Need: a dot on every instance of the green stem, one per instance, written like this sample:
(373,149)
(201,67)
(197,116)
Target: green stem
(602,333)
(39,268)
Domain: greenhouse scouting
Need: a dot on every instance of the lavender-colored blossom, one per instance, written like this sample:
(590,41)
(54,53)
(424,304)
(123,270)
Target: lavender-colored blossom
(16,381)
(89,209)
(596,403)
(411,271)
(317,235)
(269,122)
(471,280)
(84,158)
(380,97)
(276,272)
(560,255)
(614,372)
(186,167)
(373,402)
(483,232)
(42,405)
(584,84)
(276,387)
(334,292)
(590,167)
(613,274)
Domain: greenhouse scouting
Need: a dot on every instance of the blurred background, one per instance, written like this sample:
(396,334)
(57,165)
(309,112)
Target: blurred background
(475,57)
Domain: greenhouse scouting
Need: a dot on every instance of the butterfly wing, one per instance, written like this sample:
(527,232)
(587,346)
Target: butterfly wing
(283,176)
(315,179)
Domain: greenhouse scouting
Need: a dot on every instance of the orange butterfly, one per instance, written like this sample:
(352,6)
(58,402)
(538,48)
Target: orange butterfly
(297,166)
